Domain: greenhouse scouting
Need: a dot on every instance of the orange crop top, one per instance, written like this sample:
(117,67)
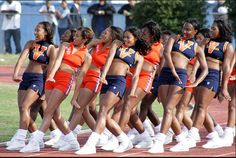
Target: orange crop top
(74,60)
(98,56)
(153,57)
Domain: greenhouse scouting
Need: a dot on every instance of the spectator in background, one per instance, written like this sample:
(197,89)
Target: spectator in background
(220,11)
(102,16)
(49,11)
(75,17)
(63,18)
(126,10)
(11,24)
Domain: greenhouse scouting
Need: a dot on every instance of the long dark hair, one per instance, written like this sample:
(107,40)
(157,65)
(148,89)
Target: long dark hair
(141,45)
(116,33)
(194,22)
(154,30)
(72,34)
(224,29)
(205,32)
(87,33)
(49,29)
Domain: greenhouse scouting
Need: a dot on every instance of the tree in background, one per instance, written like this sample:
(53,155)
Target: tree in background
(232,13)
(169,14)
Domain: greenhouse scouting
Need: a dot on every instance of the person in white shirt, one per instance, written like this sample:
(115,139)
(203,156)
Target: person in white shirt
(11,24)
(49,11)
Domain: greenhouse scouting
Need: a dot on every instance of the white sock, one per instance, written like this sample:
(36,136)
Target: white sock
(213,135)
(77,129)
(184,129)
(181,137)
(38,135)
(107,133)
(219,130)
(193,132)
(146,123)
(160,137)
(122,137)
(55,132)
(93,139)
(70,137)
(157,128)
(21,134)
(144,135)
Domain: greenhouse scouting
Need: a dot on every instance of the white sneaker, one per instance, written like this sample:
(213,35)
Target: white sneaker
(157,148)
(32,146)
(148,127)
(136,139)
(181,146)
(132,133)
(87,149)
(60,143)
(102,140)
(70,145)
(213,143)
(191,142)
(54,139)
(10,142)
(111,145)
(146,143)
(219,130)
(227,141)
(16,144)
(124,146)
(169,137)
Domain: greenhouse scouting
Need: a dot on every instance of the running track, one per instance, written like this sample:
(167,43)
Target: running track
(219,111)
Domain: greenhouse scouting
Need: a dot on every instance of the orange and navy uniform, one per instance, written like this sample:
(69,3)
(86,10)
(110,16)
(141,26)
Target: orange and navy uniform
(117,83)
(39,52)
(63,79)
(92,78)
(35,81)
(232,78)
(190,89)
(146,77)
(186,47)
(215,50)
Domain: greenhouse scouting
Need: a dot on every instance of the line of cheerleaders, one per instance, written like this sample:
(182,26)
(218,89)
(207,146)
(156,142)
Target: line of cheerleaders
(126,68)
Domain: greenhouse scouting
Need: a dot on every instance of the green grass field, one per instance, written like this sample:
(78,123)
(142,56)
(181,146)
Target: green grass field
(9,114)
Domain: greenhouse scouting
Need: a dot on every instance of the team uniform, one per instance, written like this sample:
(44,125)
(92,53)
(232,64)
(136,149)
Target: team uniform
(214,50)
(116,83)
(190,89)
(145,77)
(187,48)
(63,79)
(92,78)
(232,78)
(35,81)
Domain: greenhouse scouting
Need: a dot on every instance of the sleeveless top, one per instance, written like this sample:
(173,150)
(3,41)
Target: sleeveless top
(153,56)
(215,50)
(39,52)
(74,60)
(186,47)
(126,54)
(98,56)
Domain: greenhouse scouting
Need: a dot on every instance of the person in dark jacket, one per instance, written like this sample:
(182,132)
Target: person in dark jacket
(75,19)
(126,10)
(102,16)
